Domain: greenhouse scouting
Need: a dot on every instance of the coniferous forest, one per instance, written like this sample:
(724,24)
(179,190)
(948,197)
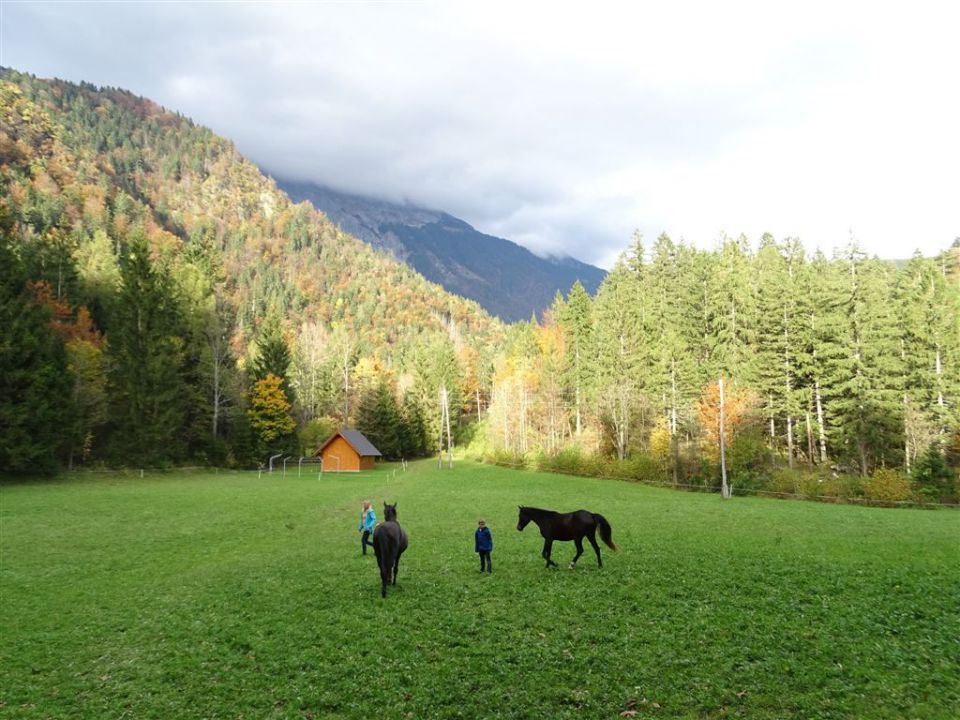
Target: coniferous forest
(162,303)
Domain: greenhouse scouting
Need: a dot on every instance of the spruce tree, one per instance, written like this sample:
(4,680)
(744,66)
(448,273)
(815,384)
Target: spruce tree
(35,391)
(145,348)
(577,323)
(273,354)
(378,418)
(730,310)
(620,354)
(864,364)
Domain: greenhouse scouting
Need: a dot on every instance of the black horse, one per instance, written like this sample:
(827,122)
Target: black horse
(568,526)
(389,542)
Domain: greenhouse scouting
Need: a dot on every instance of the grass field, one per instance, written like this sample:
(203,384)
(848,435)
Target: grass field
(225,596)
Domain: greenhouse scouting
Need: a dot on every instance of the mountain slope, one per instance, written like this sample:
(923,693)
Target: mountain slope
(508,280)
(107,161)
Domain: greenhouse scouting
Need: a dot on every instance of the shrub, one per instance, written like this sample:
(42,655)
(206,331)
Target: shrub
(843,487)
(743,481)
(748,451)
(504,457)
(569,460)
(934,477)
(784,481)
(887,486)
(643,468)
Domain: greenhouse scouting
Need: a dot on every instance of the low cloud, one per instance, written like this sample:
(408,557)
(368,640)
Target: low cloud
(557,128)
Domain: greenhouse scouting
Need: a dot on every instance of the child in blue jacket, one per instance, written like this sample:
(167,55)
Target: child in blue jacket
(483,544)
(368,520)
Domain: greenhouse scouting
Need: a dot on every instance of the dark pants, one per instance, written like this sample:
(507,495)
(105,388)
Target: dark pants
(485,561)
(364,541)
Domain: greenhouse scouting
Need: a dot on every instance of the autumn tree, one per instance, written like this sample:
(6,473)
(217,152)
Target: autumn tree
(269,416)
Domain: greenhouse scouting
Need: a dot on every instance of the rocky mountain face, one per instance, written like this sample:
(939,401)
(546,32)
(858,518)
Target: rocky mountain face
(506,279)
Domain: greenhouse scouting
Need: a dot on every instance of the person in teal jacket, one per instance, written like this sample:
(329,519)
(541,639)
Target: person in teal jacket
(368,520)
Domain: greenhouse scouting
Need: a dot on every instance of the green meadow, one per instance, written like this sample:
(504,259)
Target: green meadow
(225,595)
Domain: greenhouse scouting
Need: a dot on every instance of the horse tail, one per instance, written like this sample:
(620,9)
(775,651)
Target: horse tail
(606,532)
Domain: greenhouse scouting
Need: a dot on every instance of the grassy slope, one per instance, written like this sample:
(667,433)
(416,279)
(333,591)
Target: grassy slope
(225,596)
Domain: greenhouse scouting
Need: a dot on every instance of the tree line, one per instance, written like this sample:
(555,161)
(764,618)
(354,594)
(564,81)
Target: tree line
(847,363)
(163,303)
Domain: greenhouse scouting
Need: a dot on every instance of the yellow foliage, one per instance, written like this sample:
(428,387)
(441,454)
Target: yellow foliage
(737,403)
(269,411)
(660,440)
(887,485)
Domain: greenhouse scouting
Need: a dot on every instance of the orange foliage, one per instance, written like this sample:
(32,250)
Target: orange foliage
(737,403)
(61,316)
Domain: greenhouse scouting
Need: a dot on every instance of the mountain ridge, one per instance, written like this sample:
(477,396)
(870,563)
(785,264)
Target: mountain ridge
(505,278)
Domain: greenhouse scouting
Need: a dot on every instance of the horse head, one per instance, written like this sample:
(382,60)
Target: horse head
(524,519)
(389,512)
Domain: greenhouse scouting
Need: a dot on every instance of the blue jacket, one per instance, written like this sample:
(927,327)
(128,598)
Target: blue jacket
(483,540)
(368,520)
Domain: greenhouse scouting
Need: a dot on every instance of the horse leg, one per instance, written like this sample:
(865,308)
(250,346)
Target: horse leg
(579,543)
(383,578)
(396,566)
(596,548)
(547,550)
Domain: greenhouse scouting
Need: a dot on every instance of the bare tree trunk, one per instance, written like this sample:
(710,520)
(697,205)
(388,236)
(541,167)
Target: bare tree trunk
(446,412)
(674,444)
(906,435)
(789,442)
(724,488)
(939,369)
(809,439)
(820,429)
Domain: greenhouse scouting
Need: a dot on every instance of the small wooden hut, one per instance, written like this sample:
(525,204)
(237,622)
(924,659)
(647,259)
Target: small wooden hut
(347,451)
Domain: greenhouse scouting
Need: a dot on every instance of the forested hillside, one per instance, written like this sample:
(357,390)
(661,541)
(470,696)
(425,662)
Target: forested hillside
(848,364)
(154,280)
(508,280)
(162,302)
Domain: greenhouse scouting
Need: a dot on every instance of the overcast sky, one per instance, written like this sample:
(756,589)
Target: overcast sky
(561,126)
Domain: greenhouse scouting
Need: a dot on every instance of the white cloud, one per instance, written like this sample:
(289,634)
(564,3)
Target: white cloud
(558,126)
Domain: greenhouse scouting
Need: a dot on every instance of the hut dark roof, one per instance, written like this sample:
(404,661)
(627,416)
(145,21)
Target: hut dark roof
(357,441)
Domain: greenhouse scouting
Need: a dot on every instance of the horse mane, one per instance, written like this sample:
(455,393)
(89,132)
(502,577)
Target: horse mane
(538,511)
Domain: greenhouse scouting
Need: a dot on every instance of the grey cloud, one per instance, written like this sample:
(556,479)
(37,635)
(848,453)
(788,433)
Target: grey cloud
(398,102)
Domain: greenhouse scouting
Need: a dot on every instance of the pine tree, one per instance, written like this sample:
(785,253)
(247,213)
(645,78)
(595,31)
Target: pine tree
(620,361)
(778,344)
(273,354)
(35,392)
(577,324)
(864,364)
(413,433)
(730,310)
(145,348)
(378,418)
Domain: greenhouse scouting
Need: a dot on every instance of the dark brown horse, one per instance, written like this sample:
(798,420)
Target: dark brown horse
(389,542)
(568,526)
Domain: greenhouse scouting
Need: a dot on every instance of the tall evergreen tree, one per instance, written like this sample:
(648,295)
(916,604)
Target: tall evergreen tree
(577,323)
(145,348)
(35,391)
(864,364)
(379,419)
(730,306)
(778,271)
(621,360)
(273,354)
